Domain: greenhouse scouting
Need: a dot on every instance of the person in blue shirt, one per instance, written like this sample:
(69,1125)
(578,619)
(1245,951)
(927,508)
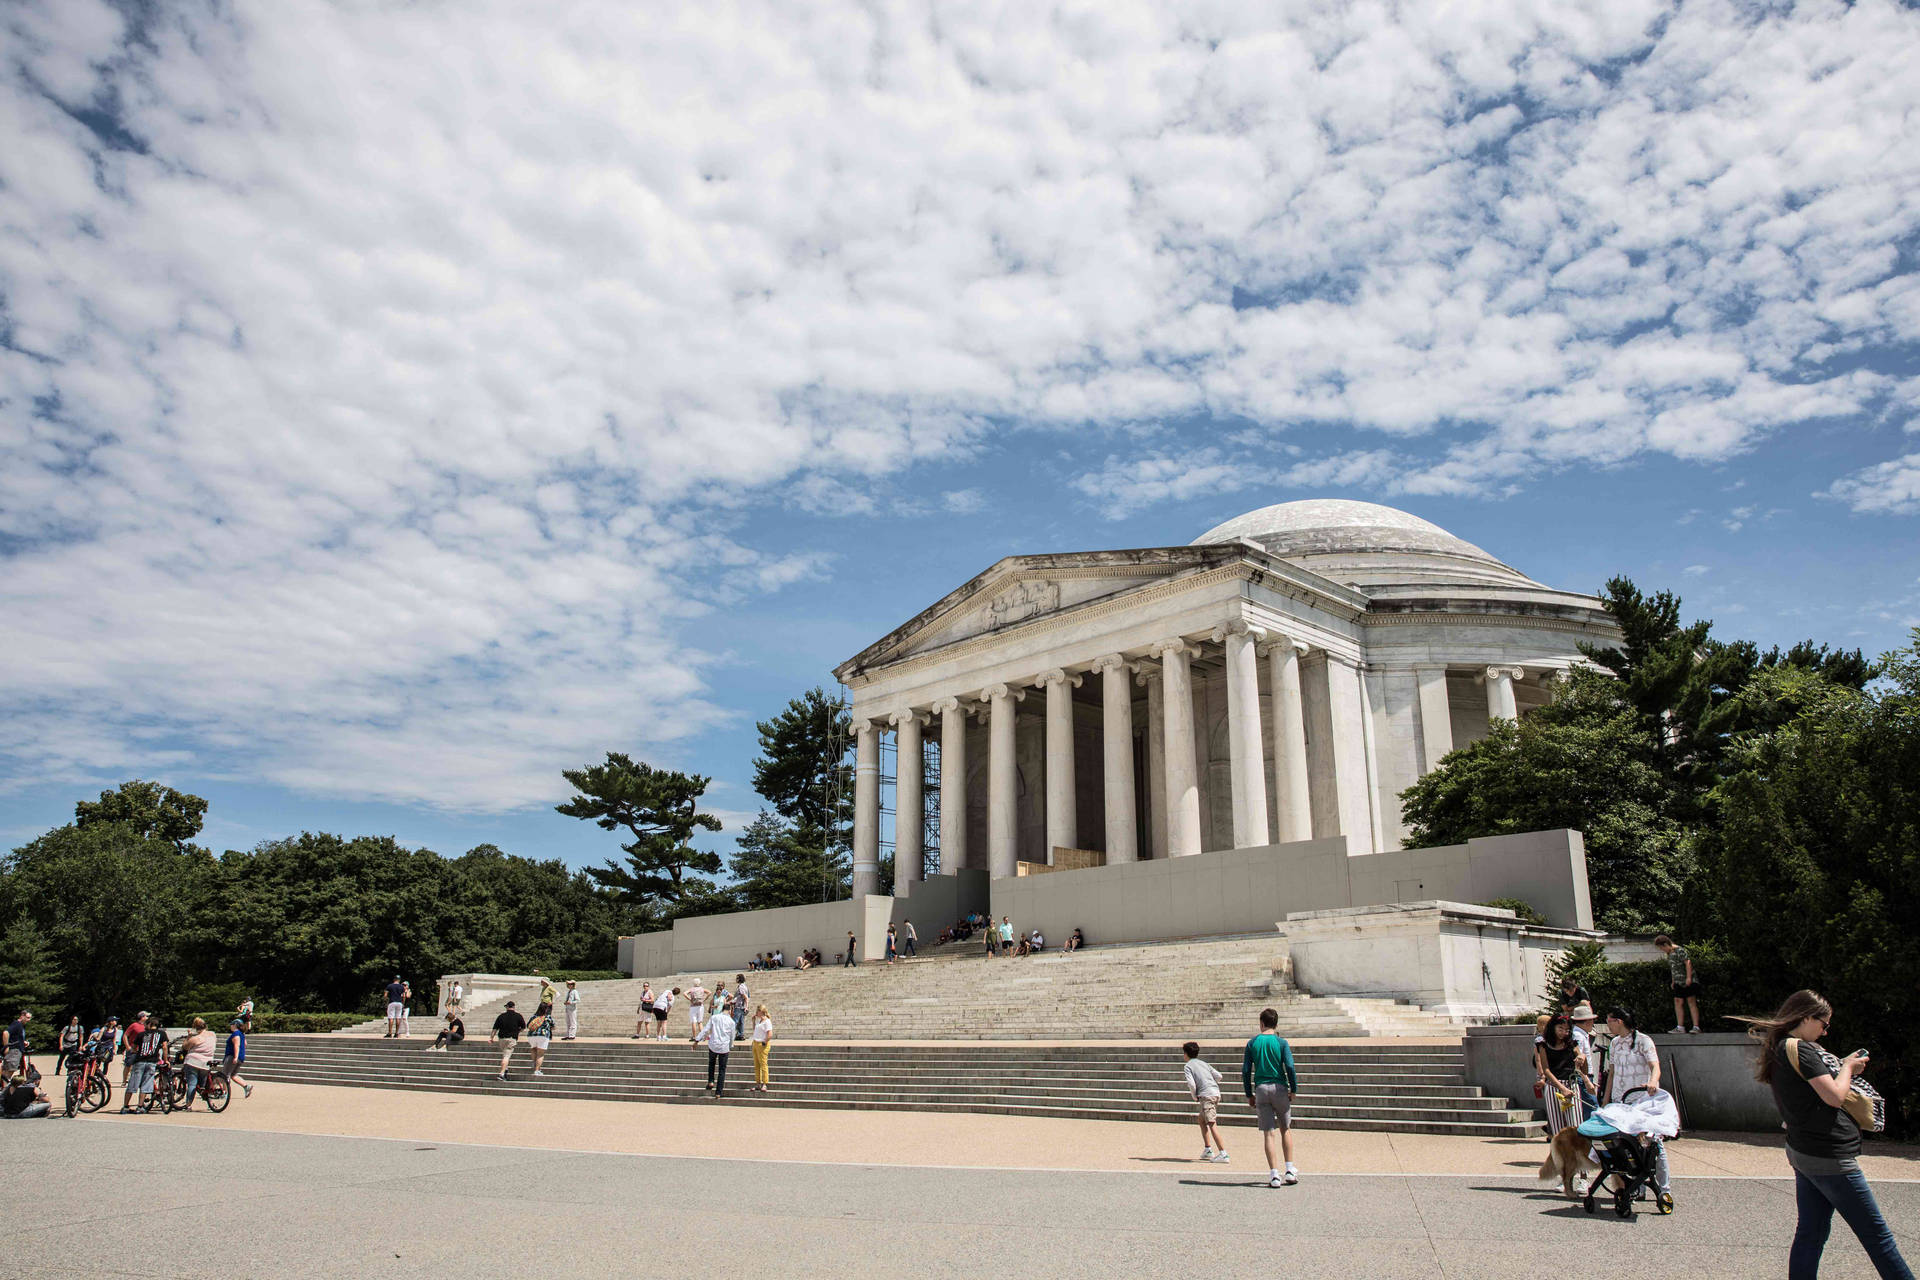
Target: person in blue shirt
(1268,1079)
(237,1054)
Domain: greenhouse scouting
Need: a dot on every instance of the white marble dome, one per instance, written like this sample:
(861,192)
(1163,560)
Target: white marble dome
(1365,544)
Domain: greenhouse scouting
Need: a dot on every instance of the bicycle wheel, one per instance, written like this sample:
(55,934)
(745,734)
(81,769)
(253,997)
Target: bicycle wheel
(217,1091)
(99,1092)
(73,1095)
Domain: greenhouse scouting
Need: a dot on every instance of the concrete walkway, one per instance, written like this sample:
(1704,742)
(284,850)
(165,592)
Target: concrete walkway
(87,1194)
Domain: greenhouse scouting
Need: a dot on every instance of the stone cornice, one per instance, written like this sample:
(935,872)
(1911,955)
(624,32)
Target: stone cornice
(1531,622)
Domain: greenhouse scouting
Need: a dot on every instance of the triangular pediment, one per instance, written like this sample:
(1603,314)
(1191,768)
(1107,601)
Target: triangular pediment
(1021,590)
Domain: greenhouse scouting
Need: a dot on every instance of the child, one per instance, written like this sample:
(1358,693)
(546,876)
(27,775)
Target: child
(1203,1082)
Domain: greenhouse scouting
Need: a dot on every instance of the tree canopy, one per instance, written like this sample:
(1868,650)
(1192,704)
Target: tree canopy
(799,852)
(660,809)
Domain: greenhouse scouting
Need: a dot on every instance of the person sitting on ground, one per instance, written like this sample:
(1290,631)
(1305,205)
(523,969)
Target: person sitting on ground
(22,1101)
(1076,940)
(806,959)
(1038,941)
(779,958)
(450,1035)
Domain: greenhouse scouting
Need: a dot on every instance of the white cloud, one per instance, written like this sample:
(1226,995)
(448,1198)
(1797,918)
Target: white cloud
(1887,488)
(1695,570)
(379,383)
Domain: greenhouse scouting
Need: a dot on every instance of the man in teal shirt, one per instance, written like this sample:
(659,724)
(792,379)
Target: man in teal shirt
(1267,1076)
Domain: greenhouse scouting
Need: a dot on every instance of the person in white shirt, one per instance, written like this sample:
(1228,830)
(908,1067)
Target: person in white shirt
(779,958)
(1203,1082)
(697,997)
(762,1046)
(456,997)
(571,1002)
(717,1035)
(1634,1063)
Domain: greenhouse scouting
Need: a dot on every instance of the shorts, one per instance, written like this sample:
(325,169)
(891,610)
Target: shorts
(394,1010)
(1273,1106)
(660,1016)
(1209,1109)
(1685,990)
(13,1061)
(140,1079)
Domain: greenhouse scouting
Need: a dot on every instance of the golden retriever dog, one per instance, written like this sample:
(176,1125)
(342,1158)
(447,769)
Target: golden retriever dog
(1568,1158)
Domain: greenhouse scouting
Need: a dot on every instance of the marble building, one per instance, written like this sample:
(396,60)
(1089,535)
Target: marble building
(1282,678)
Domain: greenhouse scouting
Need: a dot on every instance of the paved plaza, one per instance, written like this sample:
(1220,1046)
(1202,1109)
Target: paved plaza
(246,1195)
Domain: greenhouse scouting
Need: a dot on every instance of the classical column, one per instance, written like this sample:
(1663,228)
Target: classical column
(1183,774)
(1063,822)
(1002,781)
(1116,720)
(909,805)
(1500,703)
(953,785)
(866,808)
(1246,751)
(1346,712)
(1156,846)
(1436,717)
(1291,802)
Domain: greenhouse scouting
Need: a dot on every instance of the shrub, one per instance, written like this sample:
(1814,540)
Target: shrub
(1644,987)
(1524,910)
(560,976)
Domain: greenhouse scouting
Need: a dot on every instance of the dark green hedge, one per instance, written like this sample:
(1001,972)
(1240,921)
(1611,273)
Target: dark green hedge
(269,1023)
(1644,987)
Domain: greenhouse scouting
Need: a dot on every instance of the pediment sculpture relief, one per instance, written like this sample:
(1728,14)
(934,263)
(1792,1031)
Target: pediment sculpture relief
(1019,602)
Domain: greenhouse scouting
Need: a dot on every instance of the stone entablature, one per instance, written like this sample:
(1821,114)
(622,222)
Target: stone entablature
(1201,697)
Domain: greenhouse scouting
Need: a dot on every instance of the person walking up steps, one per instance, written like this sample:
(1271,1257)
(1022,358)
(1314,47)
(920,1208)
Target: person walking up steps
(852,946)
(739,1005)
(1203,1082)
(912,939)
(396,992)
(506,1033)
(406,1011)
(697,997)
(1266,1073)
(717,1035)
(572,1004)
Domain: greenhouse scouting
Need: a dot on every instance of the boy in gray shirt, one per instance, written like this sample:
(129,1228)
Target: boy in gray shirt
(1203,1082)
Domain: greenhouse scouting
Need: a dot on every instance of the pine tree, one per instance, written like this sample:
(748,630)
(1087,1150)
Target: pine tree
(28,978)
(803,772)
(660,807)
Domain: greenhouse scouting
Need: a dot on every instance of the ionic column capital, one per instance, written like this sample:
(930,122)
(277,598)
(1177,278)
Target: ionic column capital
(865,724)
(993,691)
(1169,648)
(1506,672)
(947,706)
(901,717)
(1110,662)
(1273,640)
(1058,675)
(1231,627)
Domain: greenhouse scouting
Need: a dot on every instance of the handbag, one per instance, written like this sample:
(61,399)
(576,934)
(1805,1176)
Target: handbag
(1863,1101)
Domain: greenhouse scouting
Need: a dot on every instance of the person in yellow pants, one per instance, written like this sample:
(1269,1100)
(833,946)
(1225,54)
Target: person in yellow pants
(762,1046)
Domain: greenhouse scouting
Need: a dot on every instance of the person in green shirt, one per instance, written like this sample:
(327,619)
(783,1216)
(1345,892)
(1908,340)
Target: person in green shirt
(1268,1079)
(1686,984)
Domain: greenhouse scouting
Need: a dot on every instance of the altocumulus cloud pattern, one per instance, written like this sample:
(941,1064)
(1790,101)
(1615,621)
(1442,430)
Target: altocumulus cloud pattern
(372,375)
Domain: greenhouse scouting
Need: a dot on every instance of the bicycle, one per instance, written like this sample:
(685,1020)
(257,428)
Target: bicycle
(214,1089)
(88,1088)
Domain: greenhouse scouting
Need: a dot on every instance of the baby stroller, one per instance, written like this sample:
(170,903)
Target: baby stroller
(1626,1165)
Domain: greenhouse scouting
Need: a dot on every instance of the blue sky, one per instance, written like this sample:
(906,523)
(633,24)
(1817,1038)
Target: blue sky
(400,405)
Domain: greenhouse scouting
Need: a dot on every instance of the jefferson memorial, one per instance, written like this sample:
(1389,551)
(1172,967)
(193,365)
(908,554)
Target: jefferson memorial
(1282,678)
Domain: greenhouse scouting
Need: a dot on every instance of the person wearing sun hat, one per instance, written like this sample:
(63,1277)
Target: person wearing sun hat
(1591,1045)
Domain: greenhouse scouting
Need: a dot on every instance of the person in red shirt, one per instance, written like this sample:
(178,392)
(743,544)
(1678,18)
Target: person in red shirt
(134,1029)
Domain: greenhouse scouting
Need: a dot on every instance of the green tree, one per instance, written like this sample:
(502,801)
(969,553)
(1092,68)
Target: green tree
(774,867)
(660,808)
(148,808)
(803,854)
(28,977)
(1585,761)
(1815,868)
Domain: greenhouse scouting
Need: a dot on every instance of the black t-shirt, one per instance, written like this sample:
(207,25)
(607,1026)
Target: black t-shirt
(153,1042)
(17,1035)
(509,1025)
(1560,1061)
(456,1031)
(394,992)
(1579,996)
(1813,1127)
(18,1098)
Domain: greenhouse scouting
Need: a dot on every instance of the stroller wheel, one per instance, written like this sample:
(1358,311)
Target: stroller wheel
(1663,1201)
(1623,1204)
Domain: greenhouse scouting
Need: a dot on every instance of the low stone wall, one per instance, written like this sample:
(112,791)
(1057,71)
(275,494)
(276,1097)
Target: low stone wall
(1711,1076)
(1469,962)
(1248,890)
(729,941)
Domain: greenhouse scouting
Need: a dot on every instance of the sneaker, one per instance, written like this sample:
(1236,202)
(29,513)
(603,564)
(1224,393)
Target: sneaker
(1206,1153)
(539,1073)
(501,1076)
(1220,1157)
(246,1091)
(1694,1031)
(1289,1178)
(1273,1180)
(1678,1031)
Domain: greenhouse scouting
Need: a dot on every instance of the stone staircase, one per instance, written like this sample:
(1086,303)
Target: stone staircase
(1208,988)
(1375,1085)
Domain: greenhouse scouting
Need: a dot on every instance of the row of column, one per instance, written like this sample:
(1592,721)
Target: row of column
(1170,697)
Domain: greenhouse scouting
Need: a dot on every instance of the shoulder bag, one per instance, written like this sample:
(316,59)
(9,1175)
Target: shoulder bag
(1863,1101)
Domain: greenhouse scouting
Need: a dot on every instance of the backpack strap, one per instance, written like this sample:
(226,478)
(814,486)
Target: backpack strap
(1792,1046)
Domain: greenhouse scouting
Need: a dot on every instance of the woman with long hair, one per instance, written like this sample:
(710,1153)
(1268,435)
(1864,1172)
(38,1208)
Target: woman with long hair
(1558,1075)
(1810,1088)
(762,1046)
